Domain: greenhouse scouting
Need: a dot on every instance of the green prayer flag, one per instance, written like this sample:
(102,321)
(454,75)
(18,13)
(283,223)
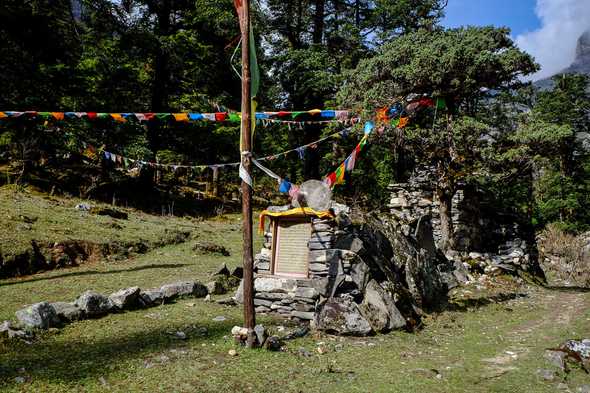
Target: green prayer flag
(254,70)
(440,103)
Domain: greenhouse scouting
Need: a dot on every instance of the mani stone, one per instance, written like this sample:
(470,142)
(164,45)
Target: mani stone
(151,297)
(67,312)
(342,316)
(39,316)
(183,288)
(125,298)
(94,304)
(378,307)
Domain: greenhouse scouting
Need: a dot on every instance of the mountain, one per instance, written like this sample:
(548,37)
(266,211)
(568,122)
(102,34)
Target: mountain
(580,65)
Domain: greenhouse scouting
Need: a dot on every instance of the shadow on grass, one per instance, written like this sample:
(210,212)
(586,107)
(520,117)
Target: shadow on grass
(463,305)
(57,362)
(568,289)
(97,272)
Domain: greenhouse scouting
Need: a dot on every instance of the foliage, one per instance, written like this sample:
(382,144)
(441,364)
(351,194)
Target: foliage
(548,138)
(458,65)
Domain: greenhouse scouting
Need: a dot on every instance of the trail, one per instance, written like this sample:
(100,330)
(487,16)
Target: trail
(560,308)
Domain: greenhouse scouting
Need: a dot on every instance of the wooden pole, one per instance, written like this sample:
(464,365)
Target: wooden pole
(247,252)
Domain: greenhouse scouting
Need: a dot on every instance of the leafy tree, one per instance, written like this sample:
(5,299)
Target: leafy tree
(460,66)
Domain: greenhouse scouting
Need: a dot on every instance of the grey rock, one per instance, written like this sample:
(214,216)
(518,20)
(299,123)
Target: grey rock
(215,288)
(360,273)
(378,307)
(321,237)
(238,272)
(342,316)
(183,288)
(262,302)
(261,264)
(272,295)
(239,296)
(262,309)
(5,327)
(306,292)
(261,334)
(556,358)
(67,312)
(324,256)
(94,304)
(303,352)
(583,389)
(273,343)
(307,315)
(39,316)
(321,285)
(547,375)
(125,298)
(350,242)
(274,284)
(151,297)
(223,270)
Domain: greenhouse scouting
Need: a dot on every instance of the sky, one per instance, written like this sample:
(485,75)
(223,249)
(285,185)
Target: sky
(547,29)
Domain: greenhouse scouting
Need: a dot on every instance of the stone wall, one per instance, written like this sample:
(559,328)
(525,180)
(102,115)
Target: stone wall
(296,297)
(482,234)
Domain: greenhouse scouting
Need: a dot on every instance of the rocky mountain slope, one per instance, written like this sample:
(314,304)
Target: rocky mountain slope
(580,65)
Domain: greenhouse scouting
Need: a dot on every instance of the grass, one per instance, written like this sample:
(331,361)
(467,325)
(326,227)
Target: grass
(138,352)
(57,220)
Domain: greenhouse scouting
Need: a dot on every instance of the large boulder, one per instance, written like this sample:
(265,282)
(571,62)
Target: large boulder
(67,312)
(184,288)
(151,297)
(39,316)
(401,260)
(125,298)
(378,307)
(342,316)
(94,304)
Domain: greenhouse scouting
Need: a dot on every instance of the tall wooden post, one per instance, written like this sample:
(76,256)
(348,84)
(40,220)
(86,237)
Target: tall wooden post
(247,252)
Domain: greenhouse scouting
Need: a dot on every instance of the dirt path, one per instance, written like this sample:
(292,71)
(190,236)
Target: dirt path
(560,309)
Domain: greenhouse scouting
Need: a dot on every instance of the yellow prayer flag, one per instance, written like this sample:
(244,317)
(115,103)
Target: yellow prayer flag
(117,117)
(180,116)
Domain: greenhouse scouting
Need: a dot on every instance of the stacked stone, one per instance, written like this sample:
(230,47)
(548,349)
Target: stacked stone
(288,297)
(511,255)
(329,268)
(262,259)
(414,199)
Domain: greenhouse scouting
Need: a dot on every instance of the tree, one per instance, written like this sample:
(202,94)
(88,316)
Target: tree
(460,66)
(548,138)
(312,41)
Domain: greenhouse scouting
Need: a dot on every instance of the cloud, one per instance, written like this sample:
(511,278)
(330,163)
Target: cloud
(554,44)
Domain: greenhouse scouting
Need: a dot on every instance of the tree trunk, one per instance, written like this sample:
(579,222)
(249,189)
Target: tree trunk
(445,198)
(318,21)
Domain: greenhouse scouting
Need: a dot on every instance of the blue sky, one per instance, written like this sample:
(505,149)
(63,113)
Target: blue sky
(519,15)
(547,29)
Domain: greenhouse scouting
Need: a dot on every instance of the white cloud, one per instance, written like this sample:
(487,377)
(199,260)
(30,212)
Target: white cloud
(554,44)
